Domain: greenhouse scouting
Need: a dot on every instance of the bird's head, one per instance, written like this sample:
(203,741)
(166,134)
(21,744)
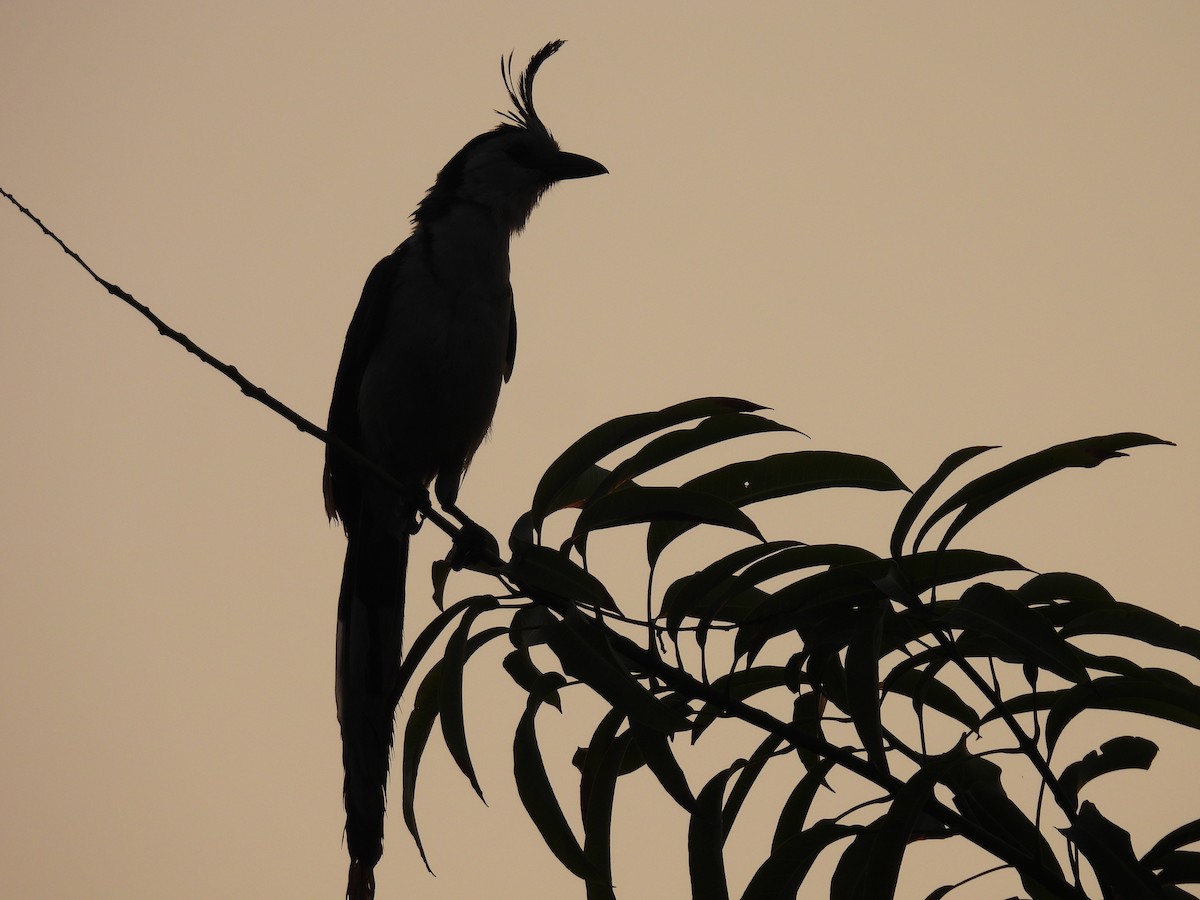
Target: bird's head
(506,170)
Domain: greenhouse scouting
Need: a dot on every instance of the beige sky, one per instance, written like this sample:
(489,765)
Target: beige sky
(907,227)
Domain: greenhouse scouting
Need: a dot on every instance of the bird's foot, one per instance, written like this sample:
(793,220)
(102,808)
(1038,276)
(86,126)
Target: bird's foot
(473,544)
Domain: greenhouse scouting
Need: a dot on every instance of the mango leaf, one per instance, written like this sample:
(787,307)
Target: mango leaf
(921,496)
(929,691)
(536,792)
(519,665)
(986,491)
(583,653)
(1152,692)
(554,491)
(1182,836)
(632,505)
(656,750)
(694,594)
(799,802)
(1049,588)
(542,568)
(739,685)
(1127,620)
(745,780)
(429,635)
(1110,852)
(1114,755)
(781,475)
(450,691)
(426,706)
(870,866)
(997,613)
(1180,867)
(862,685)
(676,444)
(706,839)
(604,765)
(784,871)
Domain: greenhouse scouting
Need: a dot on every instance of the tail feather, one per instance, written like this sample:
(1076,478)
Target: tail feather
(370,630)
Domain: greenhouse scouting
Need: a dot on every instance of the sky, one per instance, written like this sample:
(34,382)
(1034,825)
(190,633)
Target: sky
(907,228)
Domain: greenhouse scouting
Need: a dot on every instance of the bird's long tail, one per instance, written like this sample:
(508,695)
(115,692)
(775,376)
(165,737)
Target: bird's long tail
(370,628)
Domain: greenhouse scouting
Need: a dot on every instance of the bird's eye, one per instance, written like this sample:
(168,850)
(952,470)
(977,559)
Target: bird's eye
(521,154)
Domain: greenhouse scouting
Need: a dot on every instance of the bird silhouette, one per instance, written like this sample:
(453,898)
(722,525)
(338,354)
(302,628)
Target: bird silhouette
(430,344)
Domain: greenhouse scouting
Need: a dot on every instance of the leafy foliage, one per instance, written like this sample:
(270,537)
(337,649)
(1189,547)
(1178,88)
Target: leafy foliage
(887,677)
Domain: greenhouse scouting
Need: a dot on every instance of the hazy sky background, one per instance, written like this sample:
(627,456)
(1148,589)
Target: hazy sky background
(908,228)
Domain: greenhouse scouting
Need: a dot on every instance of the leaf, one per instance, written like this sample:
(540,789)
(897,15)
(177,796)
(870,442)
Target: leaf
(429,635)
(554,490)
(603,768)
(1129,621)
(675,444)
(745,780)
(1078,590)
(1181,867)
(542,568)
(519,665)
(928,691)
(694,594)
(862,685)
(997,613)
(706,839)
(1110,852)
(1114,755)
(799,802)
(781,475)
(916,503)
(784,871)
(450,692)
(632,505)
(1188,833)
(1152,692)
(536,792)
(986,491)
(584,653)
(739,685)
(656,750)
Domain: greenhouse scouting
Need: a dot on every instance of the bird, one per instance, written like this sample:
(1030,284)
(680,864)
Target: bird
(429,346)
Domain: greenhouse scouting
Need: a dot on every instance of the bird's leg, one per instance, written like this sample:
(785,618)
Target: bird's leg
(472,544)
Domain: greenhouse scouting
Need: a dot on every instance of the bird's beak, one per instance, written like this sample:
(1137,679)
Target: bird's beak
(563,166)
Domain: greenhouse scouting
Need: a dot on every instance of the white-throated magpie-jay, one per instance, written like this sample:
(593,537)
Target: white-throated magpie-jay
(431,342)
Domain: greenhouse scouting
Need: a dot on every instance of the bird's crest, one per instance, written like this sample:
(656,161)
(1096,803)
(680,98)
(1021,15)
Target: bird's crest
(520,90)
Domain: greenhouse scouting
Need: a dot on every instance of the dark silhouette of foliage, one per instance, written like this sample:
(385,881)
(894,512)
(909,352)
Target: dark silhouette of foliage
(857,630)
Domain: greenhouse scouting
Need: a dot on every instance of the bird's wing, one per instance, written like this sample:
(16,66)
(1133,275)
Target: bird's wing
(510,357)
(342,481)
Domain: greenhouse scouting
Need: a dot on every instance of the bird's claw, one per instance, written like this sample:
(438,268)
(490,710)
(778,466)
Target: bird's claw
(473,544)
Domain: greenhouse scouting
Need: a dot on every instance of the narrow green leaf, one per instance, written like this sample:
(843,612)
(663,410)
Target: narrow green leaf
(604,764)
(1050,587)
(537,794)
(706,840)
(870,866)
(1114,755)
(1110,852)
(997,613)
(922,495)
(450,691)
(612,436)
(929,691)
(1188,833)
(676,444)
(739,685)
(1129,621)
(784,871)
(656,750)
(633,505)
(416,737)
(862,684)
(583,653)
(519,665)
(745,781)
(542,568)
(1152,692)
(988,490)
(1181,867)
(799,802)
(781,475)
(429,635)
